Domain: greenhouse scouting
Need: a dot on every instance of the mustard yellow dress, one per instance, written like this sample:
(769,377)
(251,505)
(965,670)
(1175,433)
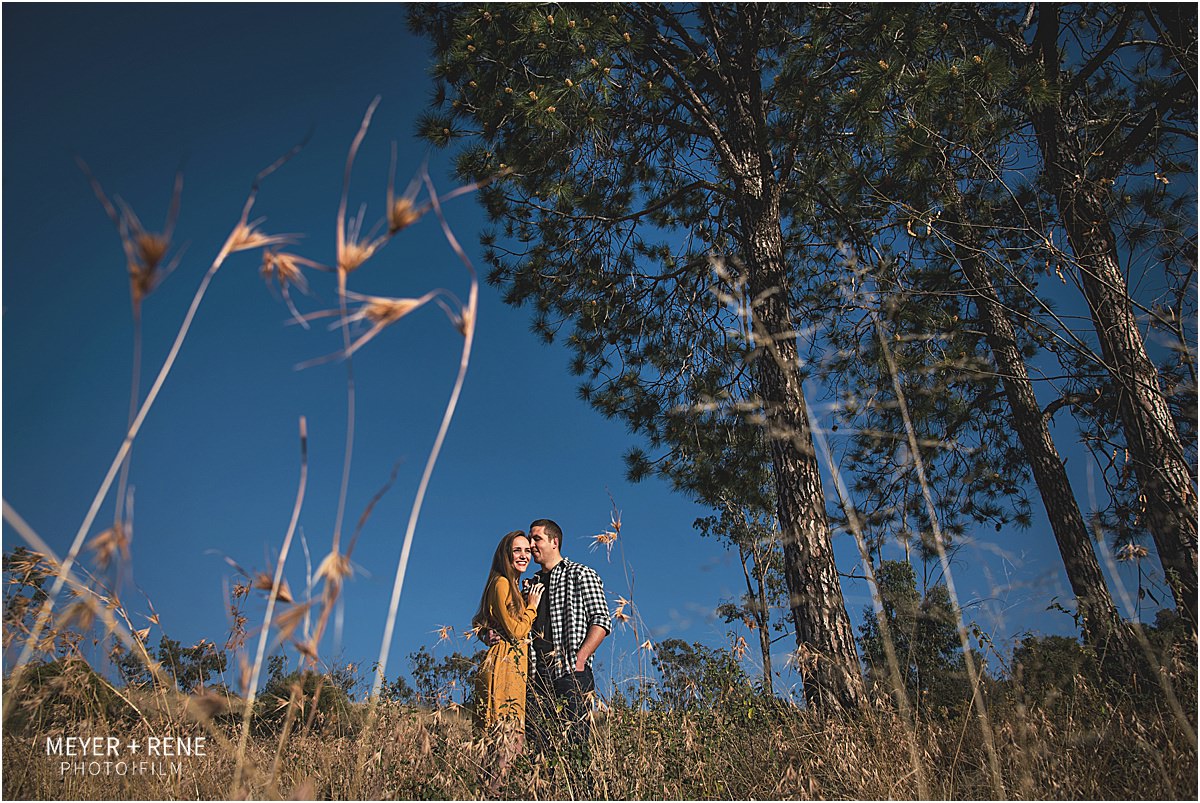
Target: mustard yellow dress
(504,673)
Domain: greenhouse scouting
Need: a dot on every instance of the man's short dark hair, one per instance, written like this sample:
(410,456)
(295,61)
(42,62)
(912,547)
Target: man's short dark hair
(552,529)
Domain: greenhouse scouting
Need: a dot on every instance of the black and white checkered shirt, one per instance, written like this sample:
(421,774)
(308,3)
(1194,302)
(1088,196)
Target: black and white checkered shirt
(576,596)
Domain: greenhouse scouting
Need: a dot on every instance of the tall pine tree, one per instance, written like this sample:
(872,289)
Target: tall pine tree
(639,140)
(944,151)
(1110,93)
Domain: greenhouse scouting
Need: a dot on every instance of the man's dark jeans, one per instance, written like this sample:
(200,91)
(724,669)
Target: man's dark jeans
(556,716)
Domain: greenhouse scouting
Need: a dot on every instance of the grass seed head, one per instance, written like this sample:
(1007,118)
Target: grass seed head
(355,253)
(285,268)
(290,619)
(265,582)
(605,539)
(308,649)
(78,616)
(335,569)
(26,563)
(378,311)
(1132,552)
(286,271)
(336,566)
(388,310)
(108,544)
(246,236)
(151,249)
(145,251)
(354,248)
(401,215)
(461,320)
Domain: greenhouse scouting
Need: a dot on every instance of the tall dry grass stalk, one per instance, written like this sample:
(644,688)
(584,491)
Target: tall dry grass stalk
(466,327)
(353,251)
(899,694)
(607,538)
(251,690)
(244,236)
(351,254)
(914,448)
(743,309)
(147,265)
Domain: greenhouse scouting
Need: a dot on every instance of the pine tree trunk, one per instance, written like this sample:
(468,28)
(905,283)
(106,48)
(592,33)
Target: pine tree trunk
(1162,471)
(1164,477)
(826,653)
(824,636)
(1103,628)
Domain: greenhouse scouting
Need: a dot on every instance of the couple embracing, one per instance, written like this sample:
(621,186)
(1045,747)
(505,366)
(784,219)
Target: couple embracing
(542,633)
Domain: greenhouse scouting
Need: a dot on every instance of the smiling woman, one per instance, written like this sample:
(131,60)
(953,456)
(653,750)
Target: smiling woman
(504,674)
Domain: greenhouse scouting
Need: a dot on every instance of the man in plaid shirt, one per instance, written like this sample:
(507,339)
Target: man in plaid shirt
(572,620)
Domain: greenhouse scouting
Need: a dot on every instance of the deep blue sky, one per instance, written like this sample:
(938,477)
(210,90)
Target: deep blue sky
(222,91)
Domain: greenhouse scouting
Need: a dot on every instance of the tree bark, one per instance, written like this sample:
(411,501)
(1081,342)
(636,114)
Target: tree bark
(824,637)
(1103,628)
(826,654)
(1166,480)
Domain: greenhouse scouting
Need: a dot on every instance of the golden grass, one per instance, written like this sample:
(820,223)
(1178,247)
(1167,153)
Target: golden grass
(771,751)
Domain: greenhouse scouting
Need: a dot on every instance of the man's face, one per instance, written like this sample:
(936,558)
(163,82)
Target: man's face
(542,545)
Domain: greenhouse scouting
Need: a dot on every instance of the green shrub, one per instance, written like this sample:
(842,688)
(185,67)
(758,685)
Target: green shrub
(64,693)
(318,702)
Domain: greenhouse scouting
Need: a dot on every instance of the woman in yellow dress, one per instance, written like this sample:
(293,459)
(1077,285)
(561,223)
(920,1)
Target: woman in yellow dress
(503,675)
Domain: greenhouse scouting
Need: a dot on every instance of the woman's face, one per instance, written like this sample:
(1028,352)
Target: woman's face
(520,553)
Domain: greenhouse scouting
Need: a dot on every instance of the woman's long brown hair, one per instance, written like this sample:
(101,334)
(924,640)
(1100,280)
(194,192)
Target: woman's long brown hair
(502,566)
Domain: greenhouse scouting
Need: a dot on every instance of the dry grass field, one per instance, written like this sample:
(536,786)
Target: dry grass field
(1082,745)
(413,755)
